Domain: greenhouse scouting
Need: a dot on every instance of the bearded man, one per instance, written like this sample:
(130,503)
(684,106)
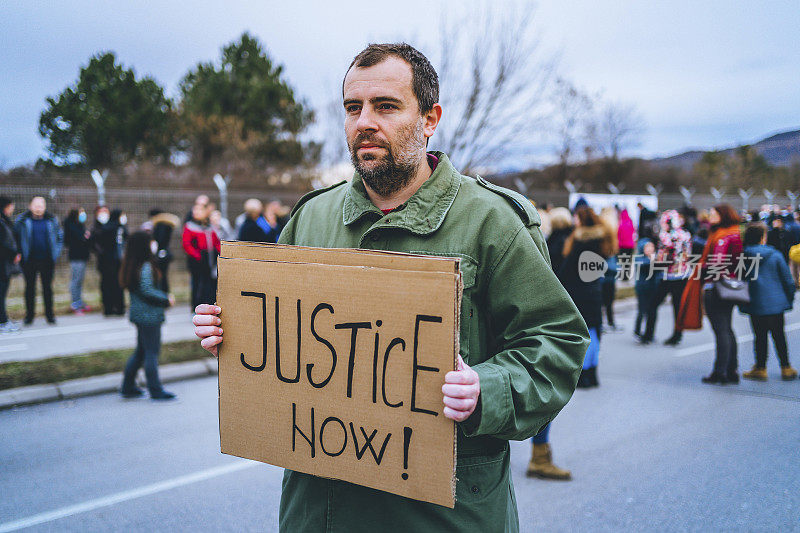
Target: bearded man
(522,341)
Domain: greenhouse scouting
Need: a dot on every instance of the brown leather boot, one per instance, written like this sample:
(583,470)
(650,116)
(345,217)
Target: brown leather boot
(542,466)
(756,374)
(788,373)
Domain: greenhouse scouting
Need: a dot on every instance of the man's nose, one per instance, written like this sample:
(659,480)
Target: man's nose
(366,120)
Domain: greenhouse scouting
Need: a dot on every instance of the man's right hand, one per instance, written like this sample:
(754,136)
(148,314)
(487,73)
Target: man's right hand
(207,327)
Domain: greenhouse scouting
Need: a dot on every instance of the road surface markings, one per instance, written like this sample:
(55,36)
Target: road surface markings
(13,347)
(120,497)
(700,348)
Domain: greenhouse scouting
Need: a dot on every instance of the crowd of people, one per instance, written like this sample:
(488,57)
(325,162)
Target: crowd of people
(688,256)
(706,262)
(31,243)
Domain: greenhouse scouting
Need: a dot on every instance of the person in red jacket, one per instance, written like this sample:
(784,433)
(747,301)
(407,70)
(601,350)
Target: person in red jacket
(719,260)
(201,245)
(626,235)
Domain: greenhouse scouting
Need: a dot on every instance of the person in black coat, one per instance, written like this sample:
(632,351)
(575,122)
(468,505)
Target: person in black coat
(561,228)
(76,239)
(9,257)
(160,226)
(105,237)
(252,230)
(590,235)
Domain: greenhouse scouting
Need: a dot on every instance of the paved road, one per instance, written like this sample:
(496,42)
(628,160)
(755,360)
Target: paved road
(652,449)
(81,334)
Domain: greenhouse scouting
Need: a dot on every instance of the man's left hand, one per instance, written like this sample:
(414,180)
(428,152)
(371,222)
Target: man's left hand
(461,390)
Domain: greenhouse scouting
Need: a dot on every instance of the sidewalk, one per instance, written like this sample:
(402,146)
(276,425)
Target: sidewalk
(74,335)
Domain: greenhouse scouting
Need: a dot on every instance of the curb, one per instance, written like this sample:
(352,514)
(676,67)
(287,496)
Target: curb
(76,388)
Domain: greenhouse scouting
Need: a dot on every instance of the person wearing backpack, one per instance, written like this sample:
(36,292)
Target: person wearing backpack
(771,290)
(139,275)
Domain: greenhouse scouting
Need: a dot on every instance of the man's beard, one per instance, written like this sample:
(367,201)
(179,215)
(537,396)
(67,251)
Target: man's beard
(392,173)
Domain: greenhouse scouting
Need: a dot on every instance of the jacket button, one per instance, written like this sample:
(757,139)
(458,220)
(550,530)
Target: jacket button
(475,489)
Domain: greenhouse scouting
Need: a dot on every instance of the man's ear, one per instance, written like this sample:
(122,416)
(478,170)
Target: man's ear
(432,119)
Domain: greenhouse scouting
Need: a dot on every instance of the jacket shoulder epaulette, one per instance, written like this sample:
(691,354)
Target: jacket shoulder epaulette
(309,195)
(523,207)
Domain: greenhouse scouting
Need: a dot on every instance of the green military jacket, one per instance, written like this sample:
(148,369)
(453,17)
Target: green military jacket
(520,332)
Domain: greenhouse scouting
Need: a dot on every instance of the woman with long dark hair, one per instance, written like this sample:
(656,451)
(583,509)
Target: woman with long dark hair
(139,275)
(720,256)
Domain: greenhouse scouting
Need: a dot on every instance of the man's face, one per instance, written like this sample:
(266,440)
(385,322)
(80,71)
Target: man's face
(38,206)
(385,131)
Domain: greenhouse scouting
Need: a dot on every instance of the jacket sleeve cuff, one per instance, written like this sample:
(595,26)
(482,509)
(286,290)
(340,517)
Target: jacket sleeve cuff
(493,402)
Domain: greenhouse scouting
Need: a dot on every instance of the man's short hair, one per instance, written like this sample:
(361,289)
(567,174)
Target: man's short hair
(753,233)
(424,80)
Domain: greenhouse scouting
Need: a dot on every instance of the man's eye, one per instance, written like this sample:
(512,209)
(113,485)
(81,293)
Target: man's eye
(387,106)
(352,108)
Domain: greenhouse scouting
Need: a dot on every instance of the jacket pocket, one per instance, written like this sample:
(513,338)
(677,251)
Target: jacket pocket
(484,491)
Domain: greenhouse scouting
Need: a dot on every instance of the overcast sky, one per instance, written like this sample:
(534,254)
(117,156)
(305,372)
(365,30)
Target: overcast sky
(703,74)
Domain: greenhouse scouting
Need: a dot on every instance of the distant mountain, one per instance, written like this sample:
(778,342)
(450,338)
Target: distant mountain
(780,150)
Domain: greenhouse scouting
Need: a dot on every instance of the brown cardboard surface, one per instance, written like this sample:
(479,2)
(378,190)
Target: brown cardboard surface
(379,428)
(337,256)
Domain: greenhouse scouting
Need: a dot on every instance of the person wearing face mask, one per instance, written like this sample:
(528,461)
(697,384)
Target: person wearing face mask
(105,238)
(202,246)
(76,238)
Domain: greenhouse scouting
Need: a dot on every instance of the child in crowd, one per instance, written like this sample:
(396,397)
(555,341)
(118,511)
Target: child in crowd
(139,275)
(645,285)
(771,294)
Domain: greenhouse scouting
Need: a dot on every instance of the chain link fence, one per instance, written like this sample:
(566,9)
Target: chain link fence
(64,194)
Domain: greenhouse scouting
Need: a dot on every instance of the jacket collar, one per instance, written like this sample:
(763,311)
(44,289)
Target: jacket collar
(423,213)
(29,215)
(196,226)
(762,249)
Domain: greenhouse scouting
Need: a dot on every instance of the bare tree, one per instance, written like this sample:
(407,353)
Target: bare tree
(571,122)
(335,145)
(619,126)
(493,77)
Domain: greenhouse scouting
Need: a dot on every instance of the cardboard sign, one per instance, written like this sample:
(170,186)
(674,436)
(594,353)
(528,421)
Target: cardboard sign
(333,364)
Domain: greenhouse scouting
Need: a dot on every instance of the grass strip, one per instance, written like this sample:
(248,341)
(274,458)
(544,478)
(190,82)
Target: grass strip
(56,369)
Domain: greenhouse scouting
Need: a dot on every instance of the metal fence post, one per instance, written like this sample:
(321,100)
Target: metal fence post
(222,185)
(100,181)
(746,194)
